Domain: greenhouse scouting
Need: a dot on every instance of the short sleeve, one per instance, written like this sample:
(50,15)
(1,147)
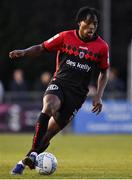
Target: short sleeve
(55,43)
(104,59)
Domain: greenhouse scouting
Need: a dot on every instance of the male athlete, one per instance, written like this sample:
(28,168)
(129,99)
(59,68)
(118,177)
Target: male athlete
(79,52)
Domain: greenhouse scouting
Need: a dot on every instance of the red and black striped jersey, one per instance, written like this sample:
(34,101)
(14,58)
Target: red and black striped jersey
(77,59)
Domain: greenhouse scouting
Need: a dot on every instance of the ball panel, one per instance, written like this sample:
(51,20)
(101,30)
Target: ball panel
(46,163)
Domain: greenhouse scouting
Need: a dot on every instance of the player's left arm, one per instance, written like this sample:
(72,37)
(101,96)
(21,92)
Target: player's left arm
(102,79)
(97,100)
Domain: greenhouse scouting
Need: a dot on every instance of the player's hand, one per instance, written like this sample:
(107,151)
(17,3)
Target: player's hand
(97,105)
(16,54)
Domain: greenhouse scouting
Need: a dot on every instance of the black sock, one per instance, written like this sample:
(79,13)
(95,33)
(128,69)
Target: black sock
(42,147)
(40,130)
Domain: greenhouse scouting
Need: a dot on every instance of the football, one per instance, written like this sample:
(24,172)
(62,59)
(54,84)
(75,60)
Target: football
(46,163)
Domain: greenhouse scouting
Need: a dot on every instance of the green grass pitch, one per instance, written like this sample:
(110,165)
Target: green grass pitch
(79,157)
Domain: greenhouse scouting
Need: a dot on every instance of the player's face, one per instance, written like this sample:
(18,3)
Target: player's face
(88,27)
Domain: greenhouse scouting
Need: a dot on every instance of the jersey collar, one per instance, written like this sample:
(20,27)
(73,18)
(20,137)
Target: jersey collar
(86,41)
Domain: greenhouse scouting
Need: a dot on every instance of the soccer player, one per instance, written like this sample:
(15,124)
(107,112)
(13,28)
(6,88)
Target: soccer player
(79,52)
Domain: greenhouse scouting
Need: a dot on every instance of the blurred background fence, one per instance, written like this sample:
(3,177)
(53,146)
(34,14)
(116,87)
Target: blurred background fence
(19,113)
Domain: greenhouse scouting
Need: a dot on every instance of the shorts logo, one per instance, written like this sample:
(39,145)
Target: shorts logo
(52,87)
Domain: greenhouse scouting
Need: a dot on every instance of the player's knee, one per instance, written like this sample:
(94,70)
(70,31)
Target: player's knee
(49,108)
(51,104)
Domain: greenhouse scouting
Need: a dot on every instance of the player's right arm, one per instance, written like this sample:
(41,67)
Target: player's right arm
(53,44)
(32,51)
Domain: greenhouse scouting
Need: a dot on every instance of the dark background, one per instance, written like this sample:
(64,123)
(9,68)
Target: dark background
(26,23)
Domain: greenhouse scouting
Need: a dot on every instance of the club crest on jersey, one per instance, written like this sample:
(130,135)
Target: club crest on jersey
(81,54)
(52,87)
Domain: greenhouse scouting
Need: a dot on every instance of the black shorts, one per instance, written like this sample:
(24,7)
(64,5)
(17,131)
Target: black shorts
(70,102)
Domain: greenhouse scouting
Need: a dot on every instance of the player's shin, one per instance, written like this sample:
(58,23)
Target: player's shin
(40,131)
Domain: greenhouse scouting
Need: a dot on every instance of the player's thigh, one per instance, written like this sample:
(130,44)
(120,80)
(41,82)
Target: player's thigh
(53,98)
(69,109)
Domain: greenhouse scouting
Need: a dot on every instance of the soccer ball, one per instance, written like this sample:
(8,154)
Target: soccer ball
(46,163)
